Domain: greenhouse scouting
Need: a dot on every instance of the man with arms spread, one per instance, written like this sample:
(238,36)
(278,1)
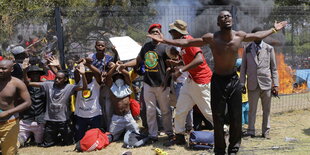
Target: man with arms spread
(225,84)
(11,89)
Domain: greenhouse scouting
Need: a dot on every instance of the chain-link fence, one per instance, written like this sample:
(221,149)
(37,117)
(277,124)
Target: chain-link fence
(83,26)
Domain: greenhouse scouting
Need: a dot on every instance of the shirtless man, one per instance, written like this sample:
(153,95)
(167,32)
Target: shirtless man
(11,89)
(120,93)
(225,84)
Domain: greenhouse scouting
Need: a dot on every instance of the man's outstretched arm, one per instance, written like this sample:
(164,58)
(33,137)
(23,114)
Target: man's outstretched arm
(196,42)
(263,34)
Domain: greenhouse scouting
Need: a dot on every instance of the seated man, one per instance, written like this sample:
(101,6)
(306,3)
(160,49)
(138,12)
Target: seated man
(57,115)
(88,111)
(32,121)
(120,93)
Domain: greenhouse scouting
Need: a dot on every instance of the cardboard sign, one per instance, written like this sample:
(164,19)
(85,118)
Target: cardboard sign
(126,47)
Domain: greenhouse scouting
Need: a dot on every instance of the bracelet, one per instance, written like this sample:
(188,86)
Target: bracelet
(181,71)
(274,30)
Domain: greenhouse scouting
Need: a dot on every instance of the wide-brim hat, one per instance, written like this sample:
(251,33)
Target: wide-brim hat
(35,68)
(180,26)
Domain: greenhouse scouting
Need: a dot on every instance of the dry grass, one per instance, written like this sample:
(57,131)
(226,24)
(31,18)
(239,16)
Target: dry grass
(291,124)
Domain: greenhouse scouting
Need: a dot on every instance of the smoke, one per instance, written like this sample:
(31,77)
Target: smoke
(249,14)
(171,10)
(201,15)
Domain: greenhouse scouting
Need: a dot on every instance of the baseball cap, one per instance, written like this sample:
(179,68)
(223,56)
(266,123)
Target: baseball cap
(17,50)
(180,26)
(153,26)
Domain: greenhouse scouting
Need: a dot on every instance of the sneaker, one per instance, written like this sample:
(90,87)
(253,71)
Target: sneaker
(178,139)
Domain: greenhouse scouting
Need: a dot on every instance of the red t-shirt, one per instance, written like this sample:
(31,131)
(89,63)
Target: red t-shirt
(201,74)
(50,76)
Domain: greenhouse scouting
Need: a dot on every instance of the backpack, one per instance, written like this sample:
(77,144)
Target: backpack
(94,139)
(201,140)
(133,139)
(134,107)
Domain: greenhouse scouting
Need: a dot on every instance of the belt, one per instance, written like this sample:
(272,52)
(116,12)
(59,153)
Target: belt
(8,121)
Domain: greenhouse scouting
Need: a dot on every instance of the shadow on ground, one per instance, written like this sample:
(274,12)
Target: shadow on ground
(307,131)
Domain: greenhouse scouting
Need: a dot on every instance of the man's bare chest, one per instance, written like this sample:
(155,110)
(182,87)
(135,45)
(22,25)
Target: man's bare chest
(7,91)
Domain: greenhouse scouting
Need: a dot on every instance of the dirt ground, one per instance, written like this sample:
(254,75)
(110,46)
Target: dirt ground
(290,134)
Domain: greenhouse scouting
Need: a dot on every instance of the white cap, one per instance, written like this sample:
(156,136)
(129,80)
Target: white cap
(17,50)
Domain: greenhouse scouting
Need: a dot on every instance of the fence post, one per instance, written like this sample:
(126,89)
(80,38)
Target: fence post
(234,17)
(60,41)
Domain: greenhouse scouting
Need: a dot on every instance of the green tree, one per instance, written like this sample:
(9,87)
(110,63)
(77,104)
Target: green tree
(83,20)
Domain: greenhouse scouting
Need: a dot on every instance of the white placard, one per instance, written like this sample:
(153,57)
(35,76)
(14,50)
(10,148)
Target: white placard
(126,47)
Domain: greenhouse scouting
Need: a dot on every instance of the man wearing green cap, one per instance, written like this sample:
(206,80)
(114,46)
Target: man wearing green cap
(196,89)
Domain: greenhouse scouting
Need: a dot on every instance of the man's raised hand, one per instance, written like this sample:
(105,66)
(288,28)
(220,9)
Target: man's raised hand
(53,61)
(158,38)
(25,64)
(279,25)
(80,68)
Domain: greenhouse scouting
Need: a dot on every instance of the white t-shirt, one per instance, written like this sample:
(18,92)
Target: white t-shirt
(87,101)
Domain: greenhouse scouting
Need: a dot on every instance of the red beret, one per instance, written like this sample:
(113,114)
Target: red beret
(153,26)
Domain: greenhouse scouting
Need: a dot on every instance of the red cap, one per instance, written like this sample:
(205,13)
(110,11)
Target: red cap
(153,26)
(1,58)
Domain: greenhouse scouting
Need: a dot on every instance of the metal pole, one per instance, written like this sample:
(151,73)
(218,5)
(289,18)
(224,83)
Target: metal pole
(59,34)
(234,17)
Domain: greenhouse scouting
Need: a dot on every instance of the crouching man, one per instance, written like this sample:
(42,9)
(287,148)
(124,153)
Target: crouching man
(122,119)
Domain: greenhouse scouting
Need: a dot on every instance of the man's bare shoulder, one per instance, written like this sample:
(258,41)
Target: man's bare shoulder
(17,82)
(207,37)
(240,33)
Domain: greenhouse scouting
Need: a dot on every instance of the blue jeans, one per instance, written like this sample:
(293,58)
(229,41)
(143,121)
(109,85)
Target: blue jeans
(84,124)
(245,111)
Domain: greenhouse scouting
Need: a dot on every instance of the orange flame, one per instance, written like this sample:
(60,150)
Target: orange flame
(286,80)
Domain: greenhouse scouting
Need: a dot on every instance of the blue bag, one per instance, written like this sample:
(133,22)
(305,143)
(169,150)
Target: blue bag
(201,140)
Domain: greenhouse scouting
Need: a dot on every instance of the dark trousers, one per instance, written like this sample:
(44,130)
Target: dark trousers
(198,118)
(51,134)
(226,90)
(84,124)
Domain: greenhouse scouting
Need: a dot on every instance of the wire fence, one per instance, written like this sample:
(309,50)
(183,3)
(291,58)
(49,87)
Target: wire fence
(83,26)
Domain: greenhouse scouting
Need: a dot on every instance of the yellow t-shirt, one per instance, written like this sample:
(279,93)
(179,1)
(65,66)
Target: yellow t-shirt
(132,75)
(244,96)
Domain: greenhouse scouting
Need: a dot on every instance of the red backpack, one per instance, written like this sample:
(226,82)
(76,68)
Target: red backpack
(94,139)
(134,107)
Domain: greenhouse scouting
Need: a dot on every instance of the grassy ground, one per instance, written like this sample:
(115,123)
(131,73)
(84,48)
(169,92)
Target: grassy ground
(294,124)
